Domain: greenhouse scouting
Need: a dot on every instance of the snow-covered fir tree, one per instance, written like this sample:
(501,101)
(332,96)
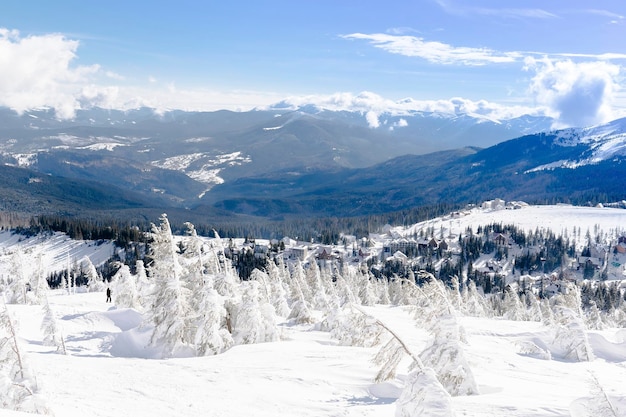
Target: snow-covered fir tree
(125,294)
(254,321)
(19,390)
(170,309)
(212,334)
(95,282)
(18,281)
(52,334)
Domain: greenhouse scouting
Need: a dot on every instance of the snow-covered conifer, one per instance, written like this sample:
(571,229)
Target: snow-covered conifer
(18,386)
(512,306)
(593,317)
(445,354)
(278,292)
(424,396)
(38,282)
(125,293)
(352,328)
(473,302)
(253,321)
(94,280)
(52,335)
(212,335)
(570,337)
(18,281)
(170,305)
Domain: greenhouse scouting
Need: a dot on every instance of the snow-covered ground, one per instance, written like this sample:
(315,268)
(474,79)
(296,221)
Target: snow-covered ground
(57,250)
(305,374)
(560,219)
(110,370)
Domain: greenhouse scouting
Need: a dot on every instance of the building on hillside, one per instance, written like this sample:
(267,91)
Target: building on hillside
(298,252)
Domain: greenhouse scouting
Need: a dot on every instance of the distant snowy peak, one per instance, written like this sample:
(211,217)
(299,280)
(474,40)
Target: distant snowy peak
(592,135)
(600,143)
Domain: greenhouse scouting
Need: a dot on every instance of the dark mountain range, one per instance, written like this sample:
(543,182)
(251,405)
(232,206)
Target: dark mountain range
(282,163)
(178,156)
(573,165)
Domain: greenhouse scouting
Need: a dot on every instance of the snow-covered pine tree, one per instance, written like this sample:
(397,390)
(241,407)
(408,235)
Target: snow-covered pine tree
(18,386)
(212,335)
(278,291)
(423,394)
(18,281)
(593,317)
(144,286)
(512,306)
(95,282)
(366,291)
(253,321)
(473,303)
(52,335)
(445,354)
(193,259)
(351,327)
(125,293)
(170,301)
(300,311)
(570,337)
(318,291)
(38,283)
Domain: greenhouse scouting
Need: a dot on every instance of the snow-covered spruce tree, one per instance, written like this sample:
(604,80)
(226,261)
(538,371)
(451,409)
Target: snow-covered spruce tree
(125,293)
(445,352)
(170,301)
(193,260)
(299,285)
(570,337)
(547,314)
(300,311)
(423,395)
(278,291)
(351,327)
(319,301)
(265,290)
(18,280)
(52,335)
(95,282)
(473,303)
(512,307)
(367,293)
(144,286)
(38,283)
(18,386)
(344,291)
(593,317)
(212,335)
(253,321)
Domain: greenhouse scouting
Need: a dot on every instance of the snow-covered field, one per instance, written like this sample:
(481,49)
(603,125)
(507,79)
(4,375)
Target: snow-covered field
(305,374)
(111,369)
(57,250)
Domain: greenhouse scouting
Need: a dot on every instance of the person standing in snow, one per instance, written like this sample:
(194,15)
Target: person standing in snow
(108,295)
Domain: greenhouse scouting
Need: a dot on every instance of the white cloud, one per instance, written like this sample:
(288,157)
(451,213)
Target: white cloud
(580,94)
(372,119)
(458,9)
(373,106)
(436,52)
(35,72)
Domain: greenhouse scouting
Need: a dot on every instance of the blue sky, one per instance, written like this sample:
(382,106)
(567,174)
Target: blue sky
(562,57)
